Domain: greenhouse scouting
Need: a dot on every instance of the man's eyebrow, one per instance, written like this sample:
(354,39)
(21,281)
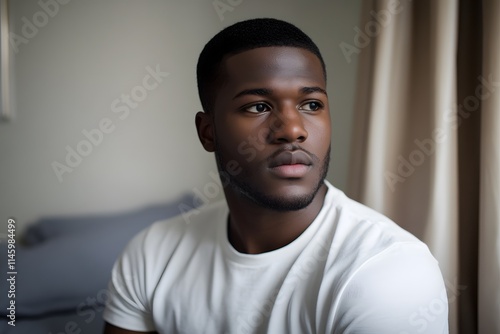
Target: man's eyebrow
(255,91)
(267,92)
(315,89)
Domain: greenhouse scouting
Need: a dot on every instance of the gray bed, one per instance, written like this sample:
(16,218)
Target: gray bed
(64,265)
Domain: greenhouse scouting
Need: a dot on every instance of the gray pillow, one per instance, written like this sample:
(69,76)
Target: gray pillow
(50,227)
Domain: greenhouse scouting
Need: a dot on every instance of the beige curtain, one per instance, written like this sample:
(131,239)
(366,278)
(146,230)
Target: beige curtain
(426,139)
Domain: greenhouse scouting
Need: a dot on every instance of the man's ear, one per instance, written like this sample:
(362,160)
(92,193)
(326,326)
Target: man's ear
(205,128)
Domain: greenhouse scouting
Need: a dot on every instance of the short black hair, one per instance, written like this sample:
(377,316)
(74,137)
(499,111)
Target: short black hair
(244,36)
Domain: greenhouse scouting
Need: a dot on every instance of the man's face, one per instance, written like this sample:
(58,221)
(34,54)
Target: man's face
(271,119)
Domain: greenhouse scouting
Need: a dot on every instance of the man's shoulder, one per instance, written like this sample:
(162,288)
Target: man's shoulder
(374,268)
(188,227)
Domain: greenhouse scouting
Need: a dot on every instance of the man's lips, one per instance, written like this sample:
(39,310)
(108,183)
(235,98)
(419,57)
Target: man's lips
(290,164)
(290,158)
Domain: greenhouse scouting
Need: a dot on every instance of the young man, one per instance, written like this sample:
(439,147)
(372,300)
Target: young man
(286,252)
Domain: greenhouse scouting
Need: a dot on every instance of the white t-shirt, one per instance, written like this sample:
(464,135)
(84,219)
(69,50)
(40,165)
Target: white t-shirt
(351,271)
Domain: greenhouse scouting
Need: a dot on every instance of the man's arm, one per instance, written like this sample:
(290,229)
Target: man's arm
(110,329)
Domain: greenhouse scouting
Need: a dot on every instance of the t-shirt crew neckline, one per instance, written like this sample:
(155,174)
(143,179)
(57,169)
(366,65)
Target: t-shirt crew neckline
(288,251)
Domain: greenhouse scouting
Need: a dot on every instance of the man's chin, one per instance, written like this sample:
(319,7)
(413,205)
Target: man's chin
(286,204)
(292,199)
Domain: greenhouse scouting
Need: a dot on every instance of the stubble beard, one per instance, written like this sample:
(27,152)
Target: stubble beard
(277,203)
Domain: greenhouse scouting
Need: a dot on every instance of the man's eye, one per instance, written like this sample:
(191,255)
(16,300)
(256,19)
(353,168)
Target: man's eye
(311,106)
(258,108)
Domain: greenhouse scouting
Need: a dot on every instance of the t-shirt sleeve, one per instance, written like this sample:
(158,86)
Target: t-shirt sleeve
(400,291)
(128,306)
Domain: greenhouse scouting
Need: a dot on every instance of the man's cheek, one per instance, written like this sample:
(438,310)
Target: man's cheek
(247,151)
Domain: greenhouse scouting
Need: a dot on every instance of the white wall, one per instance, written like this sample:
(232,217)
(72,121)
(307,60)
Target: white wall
(68,73)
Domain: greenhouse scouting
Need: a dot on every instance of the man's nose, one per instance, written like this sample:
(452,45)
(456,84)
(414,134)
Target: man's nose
(287,125)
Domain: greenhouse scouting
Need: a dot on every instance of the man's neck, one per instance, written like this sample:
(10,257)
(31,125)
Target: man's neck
(254,229)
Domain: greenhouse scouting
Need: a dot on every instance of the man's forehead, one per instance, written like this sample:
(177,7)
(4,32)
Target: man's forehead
(265,63)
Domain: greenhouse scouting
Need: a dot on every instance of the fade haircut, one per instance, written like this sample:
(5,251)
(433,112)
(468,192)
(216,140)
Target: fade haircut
(244,36)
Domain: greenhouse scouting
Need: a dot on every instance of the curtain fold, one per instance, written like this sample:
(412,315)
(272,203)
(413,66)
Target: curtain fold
(489,223)
(425,140)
